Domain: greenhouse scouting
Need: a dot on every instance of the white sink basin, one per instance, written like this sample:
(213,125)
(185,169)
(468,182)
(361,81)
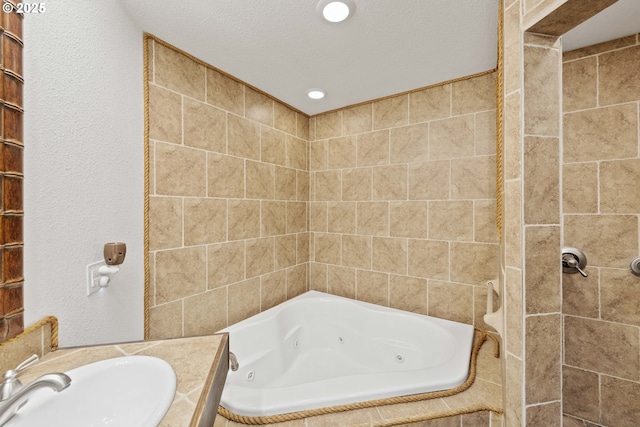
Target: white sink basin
(124,391)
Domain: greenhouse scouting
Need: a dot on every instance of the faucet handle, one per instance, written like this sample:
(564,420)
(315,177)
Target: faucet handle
(11,384)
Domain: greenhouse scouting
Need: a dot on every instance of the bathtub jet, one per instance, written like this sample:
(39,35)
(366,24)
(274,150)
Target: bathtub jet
(319,350)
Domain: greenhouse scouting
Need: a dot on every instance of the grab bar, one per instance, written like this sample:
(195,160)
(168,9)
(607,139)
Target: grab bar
(493,318)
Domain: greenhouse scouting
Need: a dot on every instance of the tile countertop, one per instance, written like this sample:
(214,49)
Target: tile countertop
(199,363)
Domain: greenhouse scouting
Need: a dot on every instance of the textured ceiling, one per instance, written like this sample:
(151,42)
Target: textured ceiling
(284,47)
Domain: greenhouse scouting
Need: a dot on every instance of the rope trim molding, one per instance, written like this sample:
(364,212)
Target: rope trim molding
(147,279)
(499,118)
(481,337)
(52,320)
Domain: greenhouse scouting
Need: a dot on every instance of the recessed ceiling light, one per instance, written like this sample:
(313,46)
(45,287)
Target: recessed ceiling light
(336,11)
(315,94)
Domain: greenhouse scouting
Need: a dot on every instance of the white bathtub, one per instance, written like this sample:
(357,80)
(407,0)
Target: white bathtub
(319,350)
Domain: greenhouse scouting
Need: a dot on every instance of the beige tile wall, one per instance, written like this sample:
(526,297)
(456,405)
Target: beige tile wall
(601,171)
(228,198)
(402,207)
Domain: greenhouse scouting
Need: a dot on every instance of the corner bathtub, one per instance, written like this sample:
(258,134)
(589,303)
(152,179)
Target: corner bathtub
(319,350)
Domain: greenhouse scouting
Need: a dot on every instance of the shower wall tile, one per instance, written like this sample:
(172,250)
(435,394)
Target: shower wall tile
(542,352)
(541,77)
(357,119)
(473,178)
(581,295)
(165,115)
(580,187)
(373,148)
(285,183)
(225,176)
(272,146)
(618,76)
(408,293)
(357,184)
(205,126)
(486,133)
(165,222)
(179,73)
(205,221)
(373,218)
(342,152)
(185,266)
(258,107)
(542,284)
(452,138)
(373,287)
(621,176)
(243,137)
(273,289)
(472,95)
(601,134)
(285,119)
(619,401)
(548,415)
(408,219)
(328,126)
(579,84)
(390,182)
(541,188)
(226,264)
(205,313)
(619,295)
(451,220)
(430,104)
(180,171)
(341,281)
(581,393)
(450,301)
(391,112)
(409,143)
(243,300)
(341,217)
(436,173)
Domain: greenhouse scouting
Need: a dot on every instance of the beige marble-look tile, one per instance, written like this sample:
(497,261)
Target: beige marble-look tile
(260,180)
(341,217)
(542,85)
(243,137)
(429,180)
(284,118)
(451,220)
(347,418)
(260,256)
(328,125)
(408,219)
(543,346)
(600,48)
(273,289)
(302,126)
(225,264)
(297,280)
(484,214)
(473,178)
(581,393)
(452,138)
(318,154)
(542,283)
(356,184)
(471,95)
(225,93)
(581,295)
(548,415)
(302,186)
(272,146)
(205,126)
(489,367)
(618,76)
(513,389)
(618,181)
(486,133)
(318,216)
(185,266)
(451,301)
(409,143)
(244,300)
(579,84)
(512,138)
(473,263)
(205,313)
(373,148)
(341,281)
(273,218)
(390,182)
(342,152)
(389,255)
(408,293)
(476,419)
(391,112)
(514,312)
(205,221)
(303,241)
(512,47)
(601,134)
(373,287)
(430,104)
(357,119)
(512,223)
(542,180)
(296,217)
(619,294)
(296,151)
(428,259)
(225,176)
(327,248)
(179,414)
(180,171)
(285,183)
(619,402)
(179,73)
(606,240)
(165,222)
(258,107)
(244,219)
(318,277)
(609,348)
(356,251)
(327,185)
(412,409)
(165,115)
(373,218)
(580,188)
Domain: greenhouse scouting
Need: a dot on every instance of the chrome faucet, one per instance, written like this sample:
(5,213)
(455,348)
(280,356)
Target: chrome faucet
(14,395)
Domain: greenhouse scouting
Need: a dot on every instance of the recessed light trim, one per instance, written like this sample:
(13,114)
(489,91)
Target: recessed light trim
(336,10)
(315,93)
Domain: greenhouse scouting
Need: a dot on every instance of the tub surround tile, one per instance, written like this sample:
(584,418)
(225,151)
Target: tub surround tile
(389,255)
(581,393)
(225,93)
(284,118)
(341,217)
(296,152)
(542,183)
(342,281)
(205,313)
(225,176)
(581,295)
(226,263)
(473,263)
(471,95)
(258,107)
(542,286)
(619,398)
(512,136)
(243,300)
(452,138)
(273,218)
(342,152)
(327,185)
(272,146)
(178,72)
(260,256)
(450,301)
(473,178)
(617,185)
(408,219)
(296,217)
(549,414)
(243,137)
(580,187)
(408,293)
(356,251)
(373,148)
(205,127)
(409,143)
(390,182)
(285,183)
(318,152)
(273,289)
(484,222)
(185,266)
(328,125)
(437,173)
(541,78)
(303,125)
(244,219)
(165,222)
(373,218)
(430,104)
(542,351)
(357,184)
(486,133)
(180,171)
(428,259)
(205,221)
(451,220)
(297,280)
(357,119)
(165,115)
(391,112)
(514,311)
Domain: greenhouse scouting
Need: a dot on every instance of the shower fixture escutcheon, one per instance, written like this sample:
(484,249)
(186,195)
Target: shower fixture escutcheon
(574,261)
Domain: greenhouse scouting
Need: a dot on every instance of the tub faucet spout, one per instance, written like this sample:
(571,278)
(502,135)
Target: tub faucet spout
(233,362)
(10,405)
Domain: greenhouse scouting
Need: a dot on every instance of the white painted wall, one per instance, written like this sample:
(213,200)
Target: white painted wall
(83,161)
